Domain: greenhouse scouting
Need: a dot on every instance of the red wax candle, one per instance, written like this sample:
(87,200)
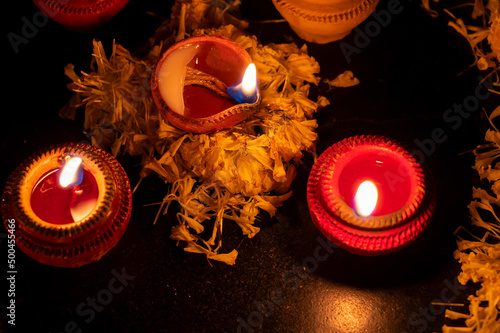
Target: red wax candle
(388,173)
(61,205)
(404,198)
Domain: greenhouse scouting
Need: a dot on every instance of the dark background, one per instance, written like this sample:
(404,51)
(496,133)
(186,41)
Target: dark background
(409,79)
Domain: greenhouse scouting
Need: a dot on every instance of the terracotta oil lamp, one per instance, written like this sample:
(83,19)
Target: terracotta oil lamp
(324,21)
(205,83)
(80,14)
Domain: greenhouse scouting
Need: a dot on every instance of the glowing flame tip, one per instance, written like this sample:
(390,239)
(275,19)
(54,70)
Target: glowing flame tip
(70,171)
(366,198)
(249,82)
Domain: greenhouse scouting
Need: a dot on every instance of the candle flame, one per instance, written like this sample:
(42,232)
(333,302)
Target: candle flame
(249,82)
(366,198)
(70,171)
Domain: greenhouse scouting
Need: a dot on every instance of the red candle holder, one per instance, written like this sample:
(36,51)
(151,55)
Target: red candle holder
(46,226)
(405,202)
(80,14)
(190,81)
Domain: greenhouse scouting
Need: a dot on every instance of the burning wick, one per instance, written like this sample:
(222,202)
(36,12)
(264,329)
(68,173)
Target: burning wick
(69,172)
(365,199)
(81,204)
(246,91)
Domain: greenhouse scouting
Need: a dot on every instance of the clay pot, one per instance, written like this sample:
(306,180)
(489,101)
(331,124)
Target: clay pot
(80,15)
(324,21)
(196,108)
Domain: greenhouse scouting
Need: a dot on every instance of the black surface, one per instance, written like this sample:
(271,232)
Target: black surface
(408,75)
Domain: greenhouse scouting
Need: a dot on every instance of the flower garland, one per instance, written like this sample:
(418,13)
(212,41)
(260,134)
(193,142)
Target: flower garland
(480,257)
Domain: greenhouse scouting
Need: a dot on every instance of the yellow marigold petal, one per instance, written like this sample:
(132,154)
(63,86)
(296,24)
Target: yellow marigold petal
(227,258)
(494,34)
(181,233)
(193,223)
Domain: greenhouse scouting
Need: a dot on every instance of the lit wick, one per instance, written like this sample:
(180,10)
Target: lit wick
(366,198)
(246,91)
(81,204)
(70,195)
(69,172)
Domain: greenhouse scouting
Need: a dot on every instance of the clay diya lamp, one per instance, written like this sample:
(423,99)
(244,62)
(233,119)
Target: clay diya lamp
(70,203)
(80,14)
(205,83)
(368,195)
(324,21)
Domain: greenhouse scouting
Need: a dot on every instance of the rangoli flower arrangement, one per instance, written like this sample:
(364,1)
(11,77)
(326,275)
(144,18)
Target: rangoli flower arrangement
(228,175)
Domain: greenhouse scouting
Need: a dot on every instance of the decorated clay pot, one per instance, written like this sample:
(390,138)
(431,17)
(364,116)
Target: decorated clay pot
(80,15)
(190,81)
(324,21)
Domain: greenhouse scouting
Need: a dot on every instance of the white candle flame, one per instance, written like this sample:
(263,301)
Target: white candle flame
(249,82)
(366,198)
(69,172)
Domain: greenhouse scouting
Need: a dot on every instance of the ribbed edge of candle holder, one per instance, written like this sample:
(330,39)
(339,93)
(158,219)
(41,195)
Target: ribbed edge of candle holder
(326,22)
(332,199)
(80,14)
(65,231)
(336,205)
(81,242)
(367,242)
(326,17)
(373,235)
(222,120)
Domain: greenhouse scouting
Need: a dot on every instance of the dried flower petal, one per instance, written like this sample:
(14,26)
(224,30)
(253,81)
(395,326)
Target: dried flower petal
(480,258)
(343,80)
